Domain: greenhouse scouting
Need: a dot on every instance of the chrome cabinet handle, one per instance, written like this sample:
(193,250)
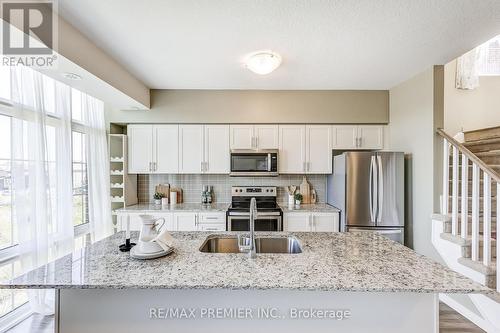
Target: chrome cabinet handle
(154,166)
(256,142)
(150,166)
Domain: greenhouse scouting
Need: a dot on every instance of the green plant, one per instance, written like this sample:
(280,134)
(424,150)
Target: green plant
(298,197)
(158,196)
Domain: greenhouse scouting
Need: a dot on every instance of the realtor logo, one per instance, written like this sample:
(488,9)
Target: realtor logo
(28,33)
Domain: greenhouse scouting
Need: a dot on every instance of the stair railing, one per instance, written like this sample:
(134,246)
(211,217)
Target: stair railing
(463,158)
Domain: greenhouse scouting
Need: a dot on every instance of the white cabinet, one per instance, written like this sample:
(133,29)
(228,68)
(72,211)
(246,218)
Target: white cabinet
(153,148)
(216,154)
(305,149)
(140,148)
(371,137)
(190,148)
(292,148)
(266,136)
(311,222)
(254,136)
(296,222)
(166,148)
(318,149)
(186,221)
(358,137)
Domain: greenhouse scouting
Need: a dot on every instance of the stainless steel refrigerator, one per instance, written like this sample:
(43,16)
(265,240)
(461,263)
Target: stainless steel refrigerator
(368,188)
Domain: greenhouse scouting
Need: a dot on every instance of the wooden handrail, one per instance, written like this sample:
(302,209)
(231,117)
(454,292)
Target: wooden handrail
(483,166)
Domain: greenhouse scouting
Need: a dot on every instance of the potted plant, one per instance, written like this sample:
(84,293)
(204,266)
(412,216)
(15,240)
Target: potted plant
(157,196)
(298,199)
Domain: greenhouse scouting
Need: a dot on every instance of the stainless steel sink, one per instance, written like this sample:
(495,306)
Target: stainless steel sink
(231,244)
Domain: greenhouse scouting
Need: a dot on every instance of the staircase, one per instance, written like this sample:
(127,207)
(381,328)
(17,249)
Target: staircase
(465,232)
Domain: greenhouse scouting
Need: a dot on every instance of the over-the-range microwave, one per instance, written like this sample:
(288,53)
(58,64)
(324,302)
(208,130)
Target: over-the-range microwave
(254,162)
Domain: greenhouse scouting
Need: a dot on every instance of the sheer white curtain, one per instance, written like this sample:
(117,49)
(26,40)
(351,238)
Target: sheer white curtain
(41,173)
(101,225)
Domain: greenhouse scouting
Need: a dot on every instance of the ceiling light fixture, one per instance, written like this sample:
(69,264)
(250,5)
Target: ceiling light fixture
(71,76)
(263,62)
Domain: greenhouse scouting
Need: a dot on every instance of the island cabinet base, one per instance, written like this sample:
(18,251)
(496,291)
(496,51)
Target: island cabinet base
(220,310)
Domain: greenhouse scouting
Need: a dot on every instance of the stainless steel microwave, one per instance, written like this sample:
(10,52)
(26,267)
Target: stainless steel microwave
(254,162)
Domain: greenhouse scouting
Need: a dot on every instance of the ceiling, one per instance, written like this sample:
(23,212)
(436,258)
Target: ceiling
(335,44)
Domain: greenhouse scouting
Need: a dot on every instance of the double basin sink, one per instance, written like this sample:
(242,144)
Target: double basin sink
(231,244)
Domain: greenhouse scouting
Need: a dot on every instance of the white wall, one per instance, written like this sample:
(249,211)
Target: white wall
(414,108)
(470,109)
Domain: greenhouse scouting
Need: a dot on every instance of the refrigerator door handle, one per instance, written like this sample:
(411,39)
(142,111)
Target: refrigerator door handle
(371,187)
(380,195)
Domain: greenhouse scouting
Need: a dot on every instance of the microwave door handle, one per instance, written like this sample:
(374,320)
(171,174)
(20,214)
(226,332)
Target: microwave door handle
(268,162)
(370,191)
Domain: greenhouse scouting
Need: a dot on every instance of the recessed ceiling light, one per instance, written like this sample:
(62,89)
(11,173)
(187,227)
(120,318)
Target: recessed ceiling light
(263,62)
(71,76)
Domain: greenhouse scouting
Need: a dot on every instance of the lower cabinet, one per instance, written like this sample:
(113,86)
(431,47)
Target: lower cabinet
(310,222)
(178,221)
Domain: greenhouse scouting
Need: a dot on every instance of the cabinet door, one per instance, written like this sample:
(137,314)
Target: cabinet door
(296,222)
(190,148)
(371,136)
(319,149)
(136,221)
(185,221)
(344,137)
(292,149)
(242,136)
(140,148)
(325,222)
(217,154)
(266,136)
(166,148)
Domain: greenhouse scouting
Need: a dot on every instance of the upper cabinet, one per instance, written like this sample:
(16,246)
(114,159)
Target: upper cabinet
(191,149)
(254,136)
(216,152)
(305,149)
(351,137)
(152,148)
(178,149)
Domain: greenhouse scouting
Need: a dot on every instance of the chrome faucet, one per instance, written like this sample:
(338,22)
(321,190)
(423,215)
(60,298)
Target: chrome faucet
(253,213)
(242,241)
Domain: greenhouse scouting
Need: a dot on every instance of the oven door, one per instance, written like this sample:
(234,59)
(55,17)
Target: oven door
(262,223)
(254,163)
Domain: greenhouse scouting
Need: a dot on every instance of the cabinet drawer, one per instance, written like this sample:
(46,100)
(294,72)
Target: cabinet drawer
(212,227)
(213,218)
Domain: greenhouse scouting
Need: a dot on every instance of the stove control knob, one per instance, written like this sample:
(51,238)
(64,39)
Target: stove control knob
(267,190)
(272,190)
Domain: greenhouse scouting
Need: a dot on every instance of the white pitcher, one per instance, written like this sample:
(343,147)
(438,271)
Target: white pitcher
(150,229)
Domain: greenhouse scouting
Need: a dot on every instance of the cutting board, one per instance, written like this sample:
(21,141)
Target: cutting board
(305,190)
(179,193)
(163,189)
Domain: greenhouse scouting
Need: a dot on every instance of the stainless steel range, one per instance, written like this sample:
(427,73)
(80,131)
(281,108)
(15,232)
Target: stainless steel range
(269,216)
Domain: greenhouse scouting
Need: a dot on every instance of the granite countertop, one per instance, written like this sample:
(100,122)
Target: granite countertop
(219,207)
(187,207)
(318,207)
(355,261)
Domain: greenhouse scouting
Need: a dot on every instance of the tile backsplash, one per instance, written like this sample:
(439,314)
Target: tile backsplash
(192,185)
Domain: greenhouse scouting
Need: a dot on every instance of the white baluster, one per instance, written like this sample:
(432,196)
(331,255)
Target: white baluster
(465,197)
(454,194)
(446,177)
(475,212)
(486,219)
(498,233)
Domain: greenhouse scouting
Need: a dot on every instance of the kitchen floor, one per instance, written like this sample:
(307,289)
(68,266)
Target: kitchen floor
(450,321)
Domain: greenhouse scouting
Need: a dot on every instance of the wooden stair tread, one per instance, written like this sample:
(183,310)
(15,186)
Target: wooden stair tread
(495,152)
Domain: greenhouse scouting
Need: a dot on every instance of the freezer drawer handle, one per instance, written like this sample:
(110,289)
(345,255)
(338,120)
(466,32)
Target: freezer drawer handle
(385,232)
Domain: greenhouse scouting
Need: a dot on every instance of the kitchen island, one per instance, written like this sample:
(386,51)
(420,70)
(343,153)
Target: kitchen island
(365,281)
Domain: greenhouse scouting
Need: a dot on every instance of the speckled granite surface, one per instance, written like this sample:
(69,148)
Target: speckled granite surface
(186,207)
(305,208)
(356,261)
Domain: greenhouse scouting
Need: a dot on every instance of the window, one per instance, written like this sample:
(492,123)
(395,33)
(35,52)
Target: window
(79,179)
(489,62)
(10,119)
(7,238)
